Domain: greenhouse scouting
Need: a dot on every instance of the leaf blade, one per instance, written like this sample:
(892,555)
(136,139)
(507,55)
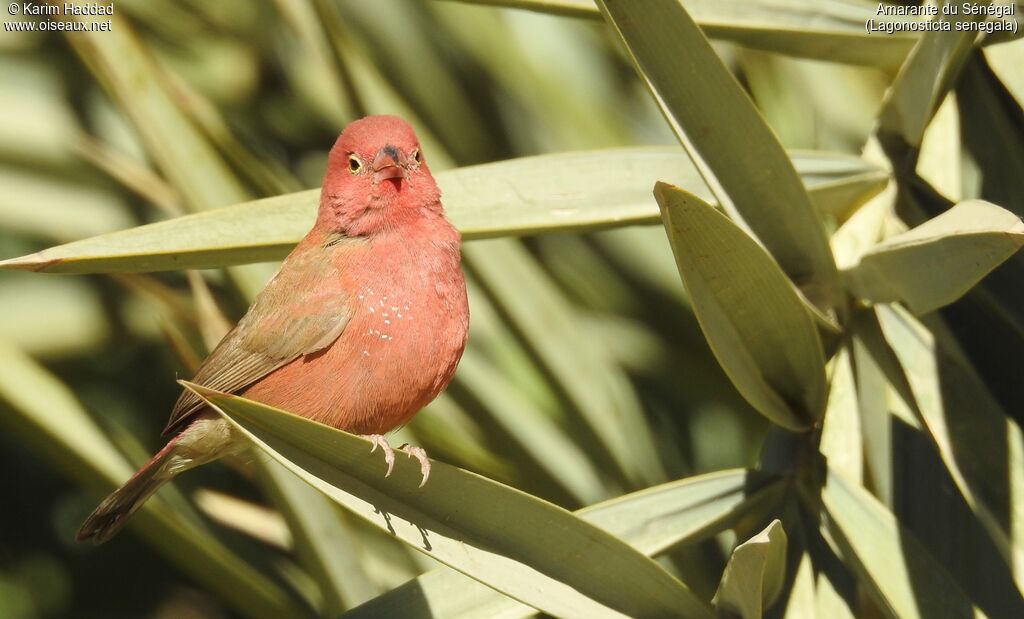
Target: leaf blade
(757,326)
(736,153)
(755,573)
(486,530)
(520,196)
(652,520)
(937,262)
(887,558)
(45,412)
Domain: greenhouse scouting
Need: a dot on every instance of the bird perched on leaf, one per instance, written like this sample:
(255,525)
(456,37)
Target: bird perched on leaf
(362,326)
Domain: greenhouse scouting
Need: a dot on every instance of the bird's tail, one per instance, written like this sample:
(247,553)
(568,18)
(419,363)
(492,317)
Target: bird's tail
(114,511)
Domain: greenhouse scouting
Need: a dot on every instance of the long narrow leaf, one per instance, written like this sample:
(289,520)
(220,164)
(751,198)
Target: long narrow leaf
(652,521)
(594,386)
(964,433)
(516,543)
(736,153)
(830,31)
(40,409)
(889,561)
(923,81)
(520,196)
(183,155)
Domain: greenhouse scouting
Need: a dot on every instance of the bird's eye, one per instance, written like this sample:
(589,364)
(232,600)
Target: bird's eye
(354,164)
(417,157)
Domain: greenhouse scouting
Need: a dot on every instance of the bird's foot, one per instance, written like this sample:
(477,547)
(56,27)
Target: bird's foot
(420,454)
(378,440)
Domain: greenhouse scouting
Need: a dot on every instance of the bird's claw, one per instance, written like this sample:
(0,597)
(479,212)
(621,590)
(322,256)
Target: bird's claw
(378,440)
(412,451)
(420,454)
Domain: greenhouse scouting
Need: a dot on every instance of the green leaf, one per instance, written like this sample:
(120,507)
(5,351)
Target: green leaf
(41,410)
(516,543)
(316,72)
(429,84)
(754,576)
(531,195)
(533,430)
(863,230)
(830,31)
(964,429)
(182,154)
(55,209)
(74,319)
(814,596)
(595,387)
(937,262)
(884,400)
(922,83)
(653,521)
(754,320)
(801,602)
(903,578)
(991,129)
(736,153)
(324,545)
(841,438)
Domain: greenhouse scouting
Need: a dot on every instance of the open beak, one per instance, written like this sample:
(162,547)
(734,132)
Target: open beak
(389,163)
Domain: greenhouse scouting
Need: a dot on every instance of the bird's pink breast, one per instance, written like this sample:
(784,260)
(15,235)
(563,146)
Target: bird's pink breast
(403,341)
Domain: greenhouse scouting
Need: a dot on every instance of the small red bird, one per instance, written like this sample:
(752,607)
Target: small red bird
(361,327)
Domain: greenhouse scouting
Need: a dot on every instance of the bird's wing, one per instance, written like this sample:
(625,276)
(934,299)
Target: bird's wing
(294,315)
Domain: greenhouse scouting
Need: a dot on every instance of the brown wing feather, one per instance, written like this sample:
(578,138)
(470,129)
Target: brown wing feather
(294,315)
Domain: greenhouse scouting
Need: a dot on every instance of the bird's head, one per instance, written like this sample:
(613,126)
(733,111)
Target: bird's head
(376,178)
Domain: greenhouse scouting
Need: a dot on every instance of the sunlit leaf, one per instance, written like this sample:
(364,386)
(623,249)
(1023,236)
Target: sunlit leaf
(538,435)
(923,81)
(754,575)
(937,262)
(755,322)
(187,160)
(521,196)
(736,153)
(966,432)
(41,410)
(516,543)
(831,31)
(581,367)
(889,561)
(324,545)
(841,438)
(652,521)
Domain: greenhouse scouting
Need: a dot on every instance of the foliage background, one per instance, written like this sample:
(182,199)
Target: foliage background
(194,105)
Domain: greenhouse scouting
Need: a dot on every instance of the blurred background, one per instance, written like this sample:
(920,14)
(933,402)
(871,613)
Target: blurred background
(188,105)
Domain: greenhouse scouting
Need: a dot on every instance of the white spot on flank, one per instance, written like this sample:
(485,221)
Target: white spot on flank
(366,353)
(399,315)
(371,309)
(394,308)
(381,303)
(384,337)
(387,322)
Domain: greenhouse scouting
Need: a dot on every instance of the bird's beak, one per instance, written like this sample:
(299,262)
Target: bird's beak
(389,163)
